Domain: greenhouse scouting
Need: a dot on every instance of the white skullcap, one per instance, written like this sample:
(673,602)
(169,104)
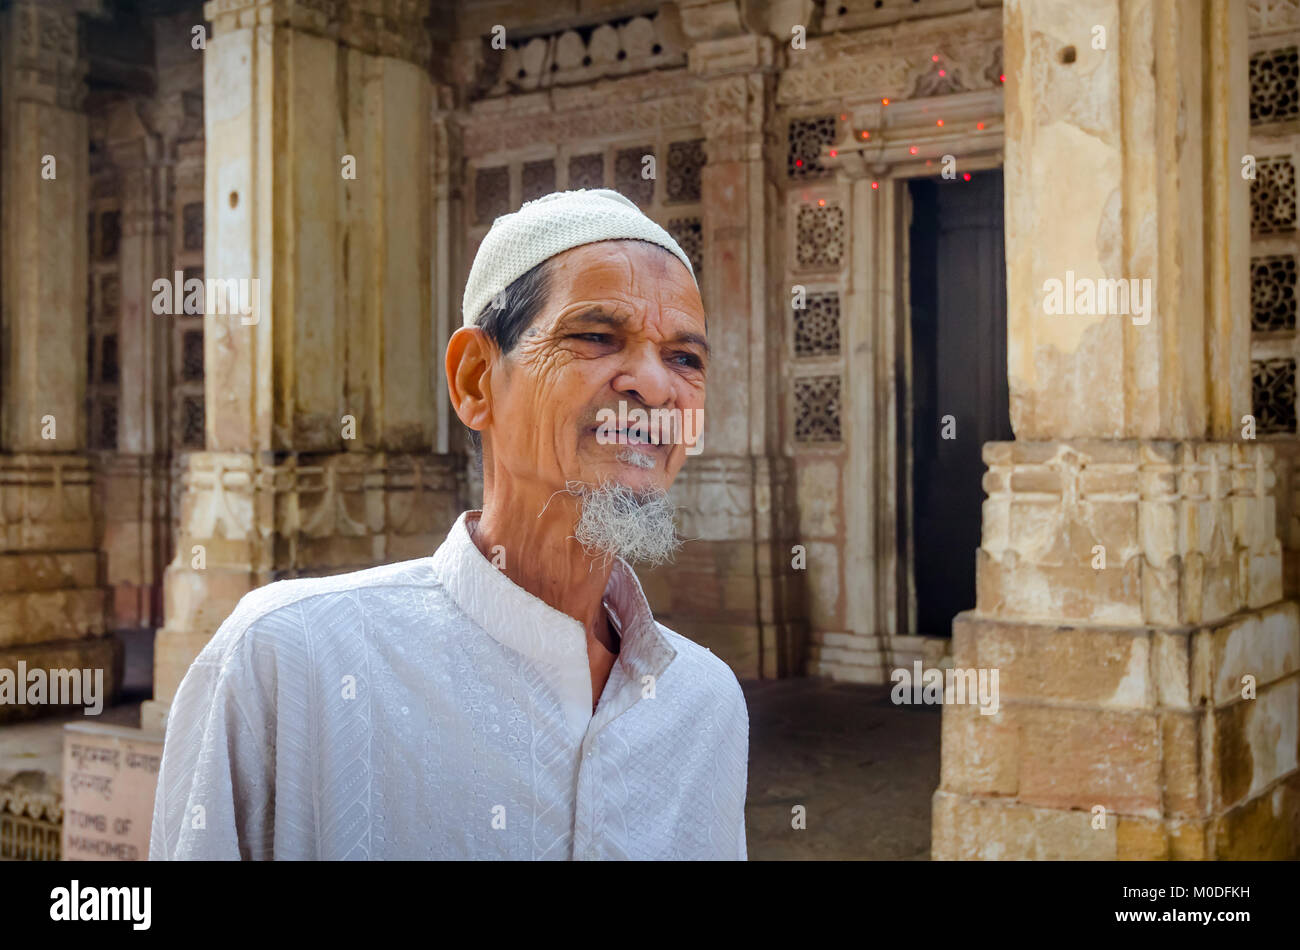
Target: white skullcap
(542,228)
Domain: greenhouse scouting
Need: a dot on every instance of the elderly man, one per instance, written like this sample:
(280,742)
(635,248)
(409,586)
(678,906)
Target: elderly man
(511,696)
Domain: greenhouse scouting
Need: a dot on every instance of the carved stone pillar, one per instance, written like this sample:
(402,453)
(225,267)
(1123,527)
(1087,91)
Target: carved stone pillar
(1129,575)
(132,482)
(738,494)
(320,407)
(51,605)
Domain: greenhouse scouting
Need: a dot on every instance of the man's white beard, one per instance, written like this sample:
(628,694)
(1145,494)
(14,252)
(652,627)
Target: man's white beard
(619,521)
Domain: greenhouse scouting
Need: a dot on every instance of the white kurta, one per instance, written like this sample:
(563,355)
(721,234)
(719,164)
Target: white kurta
(435,709)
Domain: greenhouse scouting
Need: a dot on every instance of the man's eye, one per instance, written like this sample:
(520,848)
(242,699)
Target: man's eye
(592,337)
(688,359)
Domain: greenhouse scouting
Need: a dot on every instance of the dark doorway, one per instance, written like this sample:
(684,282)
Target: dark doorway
(959,382)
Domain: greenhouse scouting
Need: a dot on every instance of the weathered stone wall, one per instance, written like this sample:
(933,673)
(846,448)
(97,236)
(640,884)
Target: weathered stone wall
(52,604)
(1130,575)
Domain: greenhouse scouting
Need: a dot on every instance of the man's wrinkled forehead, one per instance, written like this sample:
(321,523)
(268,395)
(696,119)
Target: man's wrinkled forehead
(626,279)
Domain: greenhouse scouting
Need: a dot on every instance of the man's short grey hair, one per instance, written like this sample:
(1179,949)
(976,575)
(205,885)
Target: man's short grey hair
(505,319)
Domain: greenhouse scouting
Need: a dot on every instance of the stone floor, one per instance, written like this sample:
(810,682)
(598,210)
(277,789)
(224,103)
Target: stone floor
(863,768)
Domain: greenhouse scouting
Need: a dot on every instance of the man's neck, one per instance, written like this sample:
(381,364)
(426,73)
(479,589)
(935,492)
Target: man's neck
(539,553)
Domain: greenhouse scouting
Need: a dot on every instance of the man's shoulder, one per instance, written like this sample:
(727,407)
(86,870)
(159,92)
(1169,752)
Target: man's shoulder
(273,615)
(705,668)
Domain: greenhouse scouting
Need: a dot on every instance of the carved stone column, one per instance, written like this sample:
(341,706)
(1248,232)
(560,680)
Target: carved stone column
(737,495)
(1129,575)
(132,482)
(320,407)
(51,605)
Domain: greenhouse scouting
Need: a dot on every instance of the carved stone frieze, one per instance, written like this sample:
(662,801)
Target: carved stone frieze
(1133,532)
(568,57)
(897,62)
(231,496)
(46,65)
(1273,16)
(719,497)
(672,101)
(45,503)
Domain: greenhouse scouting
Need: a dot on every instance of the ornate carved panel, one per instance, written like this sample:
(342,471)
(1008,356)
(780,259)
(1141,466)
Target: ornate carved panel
(819,235)
(109,372)
(689,233)
(581,55)
(807,136)
(1273,395)
(110,231)
(110,292)
(192,422)
(491,194)
(105,431)
(1272,292)
(1273,16)
(629,180)
(192,355)
(192,224)
(817,326)
(1272,196)
(817,409)
(538,178)
(633,108)
(587,171)
(685,163)
(896,63)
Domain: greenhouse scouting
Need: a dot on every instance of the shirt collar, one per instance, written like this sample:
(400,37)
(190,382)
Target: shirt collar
(530,626)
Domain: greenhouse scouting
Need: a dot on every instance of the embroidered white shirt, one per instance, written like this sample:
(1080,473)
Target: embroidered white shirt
(435,709)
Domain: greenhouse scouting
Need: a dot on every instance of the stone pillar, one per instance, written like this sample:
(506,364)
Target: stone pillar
(1129,575)
(133,481)
(51,605)
(320,406)
(738,494)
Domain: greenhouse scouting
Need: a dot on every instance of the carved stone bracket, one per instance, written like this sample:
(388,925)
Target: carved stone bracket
(44,51)
(393,28)
(1132,532)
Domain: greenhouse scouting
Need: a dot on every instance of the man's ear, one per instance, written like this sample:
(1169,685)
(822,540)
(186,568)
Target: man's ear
(469,376)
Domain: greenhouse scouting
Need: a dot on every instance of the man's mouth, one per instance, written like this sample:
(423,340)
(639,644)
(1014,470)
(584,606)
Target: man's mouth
(630,436)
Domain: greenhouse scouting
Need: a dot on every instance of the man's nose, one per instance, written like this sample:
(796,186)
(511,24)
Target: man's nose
(645,378)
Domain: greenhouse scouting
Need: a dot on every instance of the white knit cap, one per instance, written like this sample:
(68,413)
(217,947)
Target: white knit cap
(542,228)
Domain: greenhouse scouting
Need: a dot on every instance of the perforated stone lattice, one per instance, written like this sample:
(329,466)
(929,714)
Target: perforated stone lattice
(491,194)
(1272,292)
(192,226)
(586,171)
(628,180)
(807,136)
(537,179)
(689,234)
(817,326)
(192,355)
(685,164)
(1272,196)
(192,422)
(1273,92)
(819,233)
(817,409)
(1273,395)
